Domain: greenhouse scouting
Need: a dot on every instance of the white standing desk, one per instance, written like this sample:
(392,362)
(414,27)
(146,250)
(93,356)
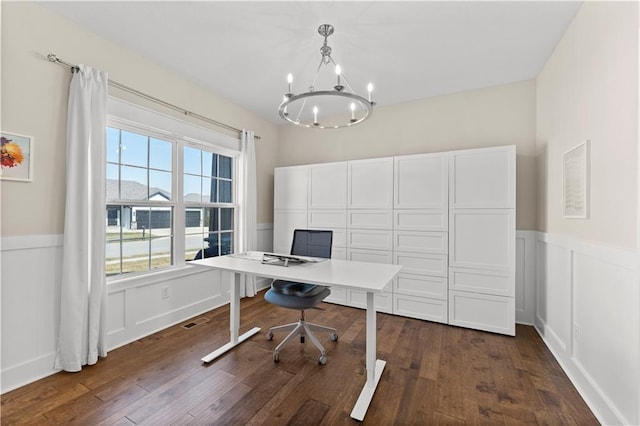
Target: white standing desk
(363,276)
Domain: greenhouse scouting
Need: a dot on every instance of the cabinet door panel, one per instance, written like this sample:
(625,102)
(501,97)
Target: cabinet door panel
(420,242)
(284,223)
(327,219)
(328,186)
(421,181)
(421,220)
(482,239)
(479,281)
(483,178)
(482,312)
(421,285)
(422,263)
(374,256)
(370,184)
(383,302)
(420,307)
(370,219)
(290,188)
(369,239)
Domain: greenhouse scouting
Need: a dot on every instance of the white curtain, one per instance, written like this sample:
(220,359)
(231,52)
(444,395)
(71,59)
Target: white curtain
(82,334)
(248,207)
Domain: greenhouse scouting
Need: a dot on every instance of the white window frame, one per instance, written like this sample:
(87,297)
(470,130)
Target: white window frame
(131,117)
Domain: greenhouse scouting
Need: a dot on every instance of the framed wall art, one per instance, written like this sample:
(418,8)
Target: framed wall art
(575,180)
(16,157)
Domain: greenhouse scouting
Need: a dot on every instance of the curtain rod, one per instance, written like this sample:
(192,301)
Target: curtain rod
(52,57)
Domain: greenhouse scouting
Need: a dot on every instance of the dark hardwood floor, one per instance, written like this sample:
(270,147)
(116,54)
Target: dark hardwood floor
(435,374)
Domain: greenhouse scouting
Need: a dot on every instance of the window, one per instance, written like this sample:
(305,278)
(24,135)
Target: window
(208,199)
(146,187)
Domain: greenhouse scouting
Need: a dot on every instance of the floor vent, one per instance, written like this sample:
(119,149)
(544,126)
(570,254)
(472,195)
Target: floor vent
(195,322)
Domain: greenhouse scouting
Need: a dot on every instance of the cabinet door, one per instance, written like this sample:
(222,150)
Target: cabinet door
(370,184)
(482,312)
(483,178)
(284,223)
(290,188)
(482,239)
(328,186)
(421,181)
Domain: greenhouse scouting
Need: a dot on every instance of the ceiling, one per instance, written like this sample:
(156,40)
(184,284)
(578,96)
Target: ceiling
(409,50)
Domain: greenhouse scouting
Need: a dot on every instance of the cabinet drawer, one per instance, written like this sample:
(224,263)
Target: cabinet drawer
(327,219)
(383,302)
(370,219)
(369,239)
(422,263)
(420,307)
(374,256)
(421,220)
(482,312)
(338,295)
(420,242)
(421,285)
(478,281)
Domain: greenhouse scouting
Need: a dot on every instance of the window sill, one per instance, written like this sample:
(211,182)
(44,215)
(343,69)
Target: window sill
(123,283)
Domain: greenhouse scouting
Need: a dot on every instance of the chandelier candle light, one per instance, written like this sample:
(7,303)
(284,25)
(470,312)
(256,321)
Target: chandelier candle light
(341,106)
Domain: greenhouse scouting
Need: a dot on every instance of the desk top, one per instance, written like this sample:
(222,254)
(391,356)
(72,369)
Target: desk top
(363,276)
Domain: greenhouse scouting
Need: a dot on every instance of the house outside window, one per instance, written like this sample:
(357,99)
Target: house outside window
(168,201)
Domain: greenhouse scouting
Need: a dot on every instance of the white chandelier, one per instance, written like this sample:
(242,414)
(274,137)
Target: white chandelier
(340,105)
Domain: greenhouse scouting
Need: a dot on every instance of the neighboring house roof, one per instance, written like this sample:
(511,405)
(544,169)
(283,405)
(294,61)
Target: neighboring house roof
(131,190)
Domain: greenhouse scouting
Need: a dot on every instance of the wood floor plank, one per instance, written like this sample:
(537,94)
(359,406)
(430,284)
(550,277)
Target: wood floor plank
(435,374)
(310,413)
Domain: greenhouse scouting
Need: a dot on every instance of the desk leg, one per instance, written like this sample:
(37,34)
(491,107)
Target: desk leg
(234,319)
(374,366)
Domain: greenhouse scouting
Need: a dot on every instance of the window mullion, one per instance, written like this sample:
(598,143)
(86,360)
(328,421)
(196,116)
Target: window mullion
(179,216)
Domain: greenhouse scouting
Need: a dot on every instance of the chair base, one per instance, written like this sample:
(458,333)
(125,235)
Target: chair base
(302,329)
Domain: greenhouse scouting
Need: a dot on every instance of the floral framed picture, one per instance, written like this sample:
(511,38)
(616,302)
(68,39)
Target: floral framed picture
(16,157)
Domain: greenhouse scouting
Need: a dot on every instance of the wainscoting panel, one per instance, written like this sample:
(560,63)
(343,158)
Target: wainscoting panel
(30,294)
(588,314)
(30,299)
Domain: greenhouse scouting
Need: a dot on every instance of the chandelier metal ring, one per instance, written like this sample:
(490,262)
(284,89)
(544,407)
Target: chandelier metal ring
(292,108)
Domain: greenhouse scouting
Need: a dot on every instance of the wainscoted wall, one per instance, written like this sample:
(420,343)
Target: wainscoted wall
(30,292)
(588,315)
(582,298)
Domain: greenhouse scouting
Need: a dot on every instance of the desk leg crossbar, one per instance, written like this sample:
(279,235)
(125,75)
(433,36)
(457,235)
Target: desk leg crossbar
(234,322)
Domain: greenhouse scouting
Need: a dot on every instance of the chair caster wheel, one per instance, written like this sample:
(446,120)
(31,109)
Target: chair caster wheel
(334,337)
(269,336)
(322,360)
(276,357)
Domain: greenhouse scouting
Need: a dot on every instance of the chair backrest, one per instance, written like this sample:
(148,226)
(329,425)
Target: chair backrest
(311,242)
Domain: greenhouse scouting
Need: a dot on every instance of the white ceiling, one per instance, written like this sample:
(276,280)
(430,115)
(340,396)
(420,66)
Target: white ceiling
(409,50)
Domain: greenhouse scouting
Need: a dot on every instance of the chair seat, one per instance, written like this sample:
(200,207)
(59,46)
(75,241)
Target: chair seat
(293,288)
(307,299)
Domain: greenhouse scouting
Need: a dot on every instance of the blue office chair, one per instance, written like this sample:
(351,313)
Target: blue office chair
(301,296)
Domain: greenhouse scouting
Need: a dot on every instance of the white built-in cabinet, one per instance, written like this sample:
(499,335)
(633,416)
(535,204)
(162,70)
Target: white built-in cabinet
(482,236)
(448,218)
(420,236)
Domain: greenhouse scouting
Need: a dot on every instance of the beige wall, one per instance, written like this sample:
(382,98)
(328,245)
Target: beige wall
(34,93)
(501,115)
(589,90)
